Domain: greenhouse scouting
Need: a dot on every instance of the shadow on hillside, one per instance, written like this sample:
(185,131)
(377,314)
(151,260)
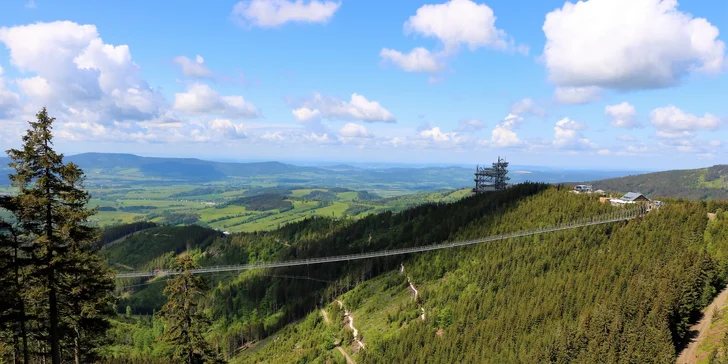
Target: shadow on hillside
(692,335)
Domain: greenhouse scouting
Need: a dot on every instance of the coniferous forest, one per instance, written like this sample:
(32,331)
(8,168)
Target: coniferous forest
(614,293)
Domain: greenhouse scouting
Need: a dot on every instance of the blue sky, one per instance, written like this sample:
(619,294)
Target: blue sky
(635,84)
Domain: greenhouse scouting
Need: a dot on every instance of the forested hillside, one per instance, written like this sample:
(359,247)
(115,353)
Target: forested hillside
(697,184)
(623,291)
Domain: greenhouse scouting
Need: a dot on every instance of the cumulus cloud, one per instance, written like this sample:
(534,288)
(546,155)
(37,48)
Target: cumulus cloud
(470,126)
(577,95)
(527,107)
(568,135)
(454,24)
(274,13)
(74,68)
(353,130)
(435,137)
(670,120)
(503,135)
(223,128)
(626,44)
(622,115)
(357,108)
(201,99)
(417,60)
(459,22)
(436,134)
(193,68)
(306,114)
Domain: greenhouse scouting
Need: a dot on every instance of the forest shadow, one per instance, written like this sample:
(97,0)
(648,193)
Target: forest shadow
(691,335)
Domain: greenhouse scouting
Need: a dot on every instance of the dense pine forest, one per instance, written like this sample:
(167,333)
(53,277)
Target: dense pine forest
(619,292)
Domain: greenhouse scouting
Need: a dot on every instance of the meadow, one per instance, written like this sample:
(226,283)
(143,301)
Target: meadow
(229,208)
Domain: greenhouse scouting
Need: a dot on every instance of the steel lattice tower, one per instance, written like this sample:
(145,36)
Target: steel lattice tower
(493,178)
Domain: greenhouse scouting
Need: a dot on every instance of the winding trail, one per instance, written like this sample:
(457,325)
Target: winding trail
(326,316)
(343,352)
(348,315)
(412,287)
(689,355)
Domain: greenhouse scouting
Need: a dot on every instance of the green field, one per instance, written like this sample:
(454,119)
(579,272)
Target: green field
(219,210)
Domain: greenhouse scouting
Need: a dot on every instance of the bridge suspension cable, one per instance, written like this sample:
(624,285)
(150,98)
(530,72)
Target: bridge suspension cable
(615,216)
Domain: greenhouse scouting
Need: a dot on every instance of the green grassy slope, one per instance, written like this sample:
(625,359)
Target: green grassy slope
(623,292)
(704,183)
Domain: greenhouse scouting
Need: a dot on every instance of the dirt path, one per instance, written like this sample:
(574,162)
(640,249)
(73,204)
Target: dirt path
(326,316)
(412,286)
(690,353)
(348,359)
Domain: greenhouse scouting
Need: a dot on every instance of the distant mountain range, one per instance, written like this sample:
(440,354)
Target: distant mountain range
(114,169)
(698,184)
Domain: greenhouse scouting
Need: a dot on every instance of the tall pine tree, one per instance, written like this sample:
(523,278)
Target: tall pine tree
(52,215)
(185,323)
(14,285)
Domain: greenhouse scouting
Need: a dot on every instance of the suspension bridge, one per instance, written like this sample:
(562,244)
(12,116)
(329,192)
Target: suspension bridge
(616,216)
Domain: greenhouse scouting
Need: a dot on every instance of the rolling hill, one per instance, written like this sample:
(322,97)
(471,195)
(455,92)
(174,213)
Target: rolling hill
(696,184)
(131,170)
(622,292)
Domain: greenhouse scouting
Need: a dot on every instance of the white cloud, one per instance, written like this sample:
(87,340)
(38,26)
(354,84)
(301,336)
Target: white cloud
(674,134)
(273,13)
(459,22)
(622,115)
(417,60)
(192,68)
(276,136)
(603,152)
(226,129)
(627,44)
(353,130)
(568,135)
(74,68)
(318,138)
(577,95)
(306,114)
(454,23)
(670,120)
(470,125)
(35,87)
(31,4)
(201,99)
(503,135)
(527,107)
(357,108)
(436,134)
(8,99)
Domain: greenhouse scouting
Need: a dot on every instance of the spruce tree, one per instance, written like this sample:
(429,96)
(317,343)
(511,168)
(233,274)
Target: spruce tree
(52,215)
(185,323)
(13,283)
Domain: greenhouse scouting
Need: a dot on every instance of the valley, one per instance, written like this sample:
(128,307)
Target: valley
(549,293)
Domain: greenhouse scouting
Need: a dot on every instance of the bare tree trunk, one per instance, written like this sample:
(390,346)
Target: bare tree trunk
(53,305)
(76,347)
(21,303)
(52,299)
